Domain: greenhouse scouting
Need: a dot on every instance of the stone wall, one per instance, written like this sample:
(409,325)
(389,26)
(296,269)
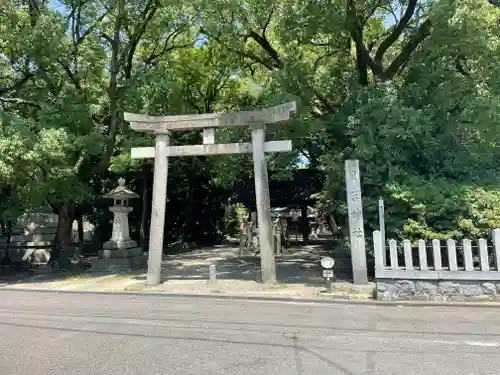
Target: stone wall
(33,237)
(438,290)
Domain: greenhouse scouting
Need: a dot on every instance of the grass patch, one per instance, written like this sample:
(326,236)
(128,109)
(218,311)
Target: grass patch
(79,277)
(135,288)
(124,276)
(278,286)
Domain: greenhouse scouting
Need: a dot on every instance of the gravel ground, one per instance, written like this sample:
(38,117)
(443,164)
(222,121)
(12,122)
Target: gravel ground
(299,274)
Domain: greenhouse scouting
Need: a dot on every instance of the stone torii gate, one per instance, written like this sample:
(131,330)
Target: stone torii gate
(161,126)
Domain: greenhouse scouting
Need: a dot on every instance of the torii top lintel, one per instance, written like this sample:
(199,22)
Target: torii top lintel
(164,124)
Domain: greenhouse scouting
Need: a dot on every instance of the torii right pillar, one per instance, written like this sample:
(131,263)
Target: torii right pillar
(263,202)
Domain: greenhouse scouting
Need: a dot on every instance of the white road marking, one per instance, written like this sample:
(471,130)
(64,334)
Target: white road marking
(483,343)
(412,341)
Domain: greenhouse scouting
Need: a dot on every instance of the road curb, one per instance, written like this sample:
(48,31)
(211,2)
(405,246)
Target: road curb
(322,301)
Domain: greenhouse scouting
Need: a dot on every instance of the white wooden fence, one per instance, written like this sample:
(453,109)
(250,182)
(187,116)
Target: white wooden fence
(474,260)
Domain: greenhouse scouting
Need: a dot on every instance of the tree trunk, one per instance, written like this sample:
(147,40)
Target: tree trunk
(79,218)
(332,224)
(304,226)
(188,234)
(81,232)
(7,230)
(63,244)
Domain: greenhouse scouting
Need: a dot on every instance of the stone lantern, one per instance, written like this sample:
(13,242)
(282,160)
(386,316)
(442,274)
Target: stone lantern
(120,252)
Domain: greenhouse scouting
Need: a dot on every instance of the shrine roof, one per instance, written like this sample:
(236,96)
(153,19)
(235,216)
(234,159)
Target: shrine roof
(298,191)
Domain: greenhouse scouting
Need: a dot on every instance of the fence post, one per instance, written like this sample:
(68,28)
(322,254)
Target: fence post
(483,255)
(452,254)
(379,250)
(496,245)
(468,260)
(393,249)
(408,255)
(422,255)
(436,252)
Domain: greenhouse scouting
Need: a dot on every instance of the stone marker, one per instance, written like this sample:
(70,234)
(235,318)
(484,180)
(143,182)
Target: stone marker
(381,218)
(212,272)
(120,252)
(356,226)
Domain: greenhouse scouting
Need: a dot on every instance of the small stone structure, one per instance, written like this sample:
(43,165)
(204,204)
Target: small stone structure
(32,238)
(467,273)
(120,252)
(249,236)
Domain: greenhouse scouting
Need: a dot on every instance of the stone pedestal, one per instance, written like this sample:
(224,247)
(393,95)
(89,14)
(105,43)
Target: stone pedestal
(120,253)
(120,264)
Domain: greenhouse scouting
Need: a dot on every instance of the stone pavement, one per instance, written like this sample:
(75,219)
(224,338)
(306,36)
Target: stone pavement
(299,274)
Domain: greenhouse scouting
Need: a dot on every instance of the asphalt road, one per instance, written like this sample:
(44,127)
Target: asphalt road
(50,333)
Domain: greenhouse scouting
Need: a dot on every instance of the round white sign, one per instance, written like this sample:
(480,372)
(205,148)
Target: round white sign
(327,262)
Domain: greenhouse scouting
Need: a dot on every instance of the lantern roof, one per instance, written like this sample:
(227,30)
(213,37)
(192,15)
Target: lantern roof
(121,192)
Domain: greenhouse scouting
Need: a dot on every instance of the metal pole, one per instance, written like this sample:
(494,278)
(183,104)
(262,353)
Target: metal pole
(329,286)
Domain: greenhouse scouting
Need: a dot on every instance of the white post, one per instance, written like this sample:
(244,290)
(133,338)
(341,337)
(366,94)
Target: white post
(381,218)
(483,255)
(496,246)
(158,209)
(212,274)
(356,226)
(268,266)
(378,249)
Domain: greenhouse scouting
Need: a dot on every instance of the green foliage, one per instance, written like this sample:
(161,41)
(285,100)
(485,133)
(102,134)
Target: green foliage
(232,219)
(416,99)
(441,209)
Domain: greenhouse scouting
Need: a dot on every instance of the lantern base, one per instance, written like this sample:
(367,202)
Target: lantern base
(119,264)
(120,253)
(119,244)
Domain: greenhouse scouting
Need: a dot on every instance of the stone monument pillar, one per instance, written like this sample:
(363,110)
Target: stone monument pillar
(120,252)
(356,223)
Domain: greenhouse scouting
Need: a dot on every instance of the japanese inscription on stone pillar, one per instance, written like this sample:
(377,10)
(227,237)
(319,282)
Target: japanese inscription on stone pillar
(356,229)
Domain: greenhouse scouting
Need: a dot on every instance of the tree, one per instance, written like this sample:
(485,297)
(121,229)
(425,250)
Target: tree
(63,108)
(407,87)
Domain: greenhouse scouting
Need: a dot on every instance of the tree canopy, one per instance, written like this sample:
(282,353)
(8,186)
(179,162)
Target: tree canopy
(408,87)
